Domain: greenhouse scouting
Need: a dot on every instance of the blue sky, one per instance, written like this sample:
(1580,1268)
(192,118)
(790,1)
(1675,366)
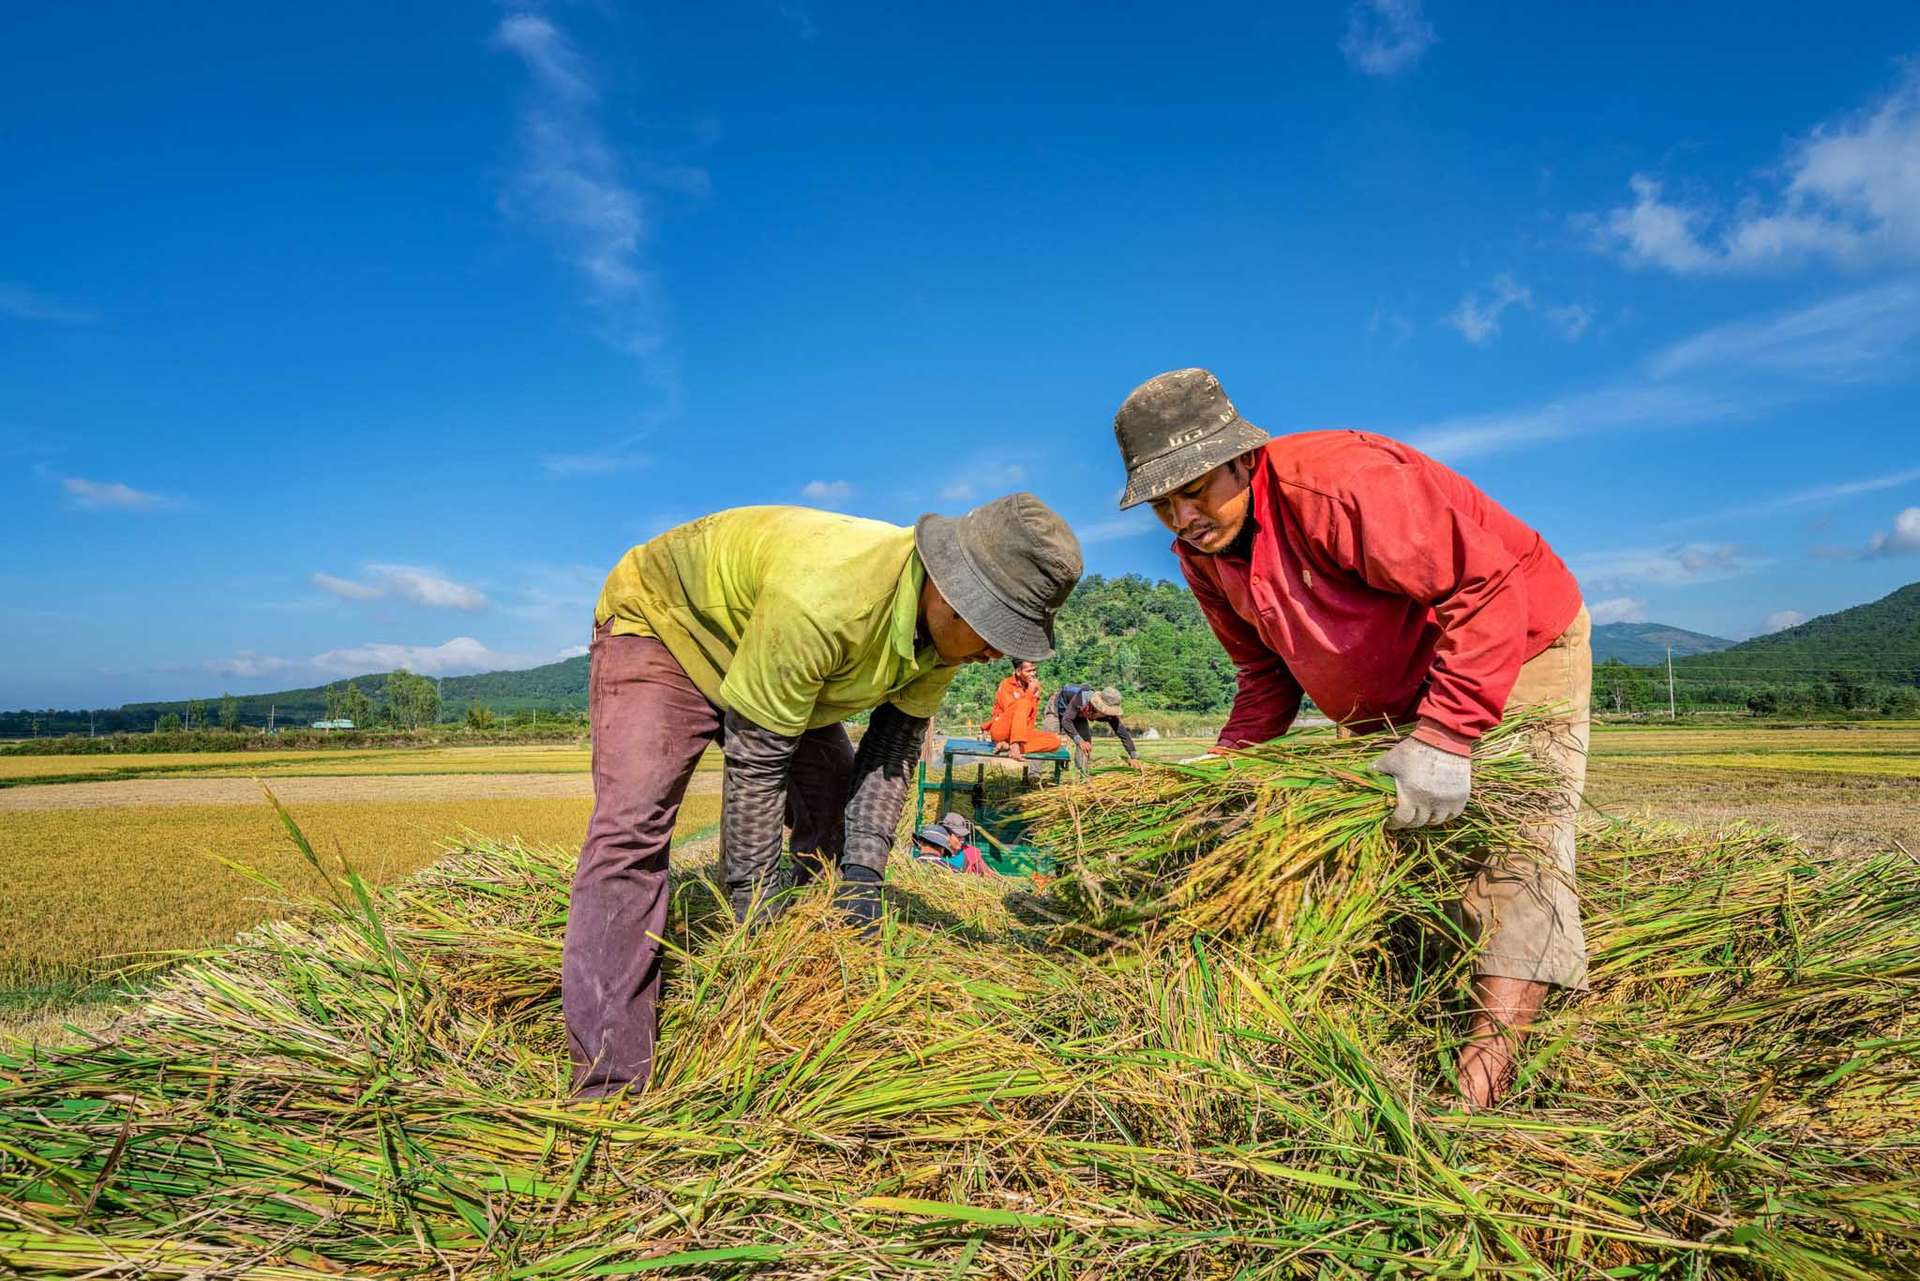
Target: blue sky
(338,337)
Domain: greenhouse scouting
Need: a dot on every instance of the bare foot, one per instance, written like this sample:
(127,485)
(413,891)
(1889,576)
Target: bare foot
(1503,1010)
(1485,1070)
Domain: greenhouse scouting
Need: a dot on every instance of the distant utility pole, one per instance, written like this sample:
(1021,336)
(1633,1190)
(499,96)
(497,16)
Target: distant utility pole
(270,710)
(89,722)
(1671,713)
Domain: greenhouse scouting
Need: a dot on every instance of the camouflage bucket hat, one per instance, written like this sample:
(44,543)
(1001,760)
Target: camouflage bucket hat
(1174,429)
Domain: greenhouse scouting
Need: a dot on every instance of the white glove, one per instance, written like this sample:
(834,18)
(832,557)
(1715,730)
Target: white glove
(1432,783)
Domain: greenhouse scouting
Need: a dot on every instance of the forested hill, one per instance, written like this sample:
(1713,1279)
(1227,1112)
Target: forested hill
(1876,643)
(1642,643)
(1148,638)
(554,687)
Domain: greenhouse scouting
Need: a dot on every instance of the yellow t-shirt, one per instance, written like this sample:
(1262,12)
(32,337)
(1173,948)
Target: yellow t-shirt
(793,618)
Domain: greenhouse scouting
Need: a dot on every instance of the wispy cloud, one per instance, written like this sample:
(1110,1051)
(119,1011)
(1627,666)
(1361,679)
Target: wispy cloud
(1675,565)
(799,16)
(1632,406)
(619,457)
(1386,37)
(1137,523)
(1572,320)
(1618,609)
(982,478)
(1781,619)
(1848,192)
(1478,315)
(1390,324)
(409,583)
(23,303)
(570,651)
(549,592)
(827,491)
(1810,497)
(248,665)
(570,181)
(458,656)
(112,495)
(1849,339)
(1724,374)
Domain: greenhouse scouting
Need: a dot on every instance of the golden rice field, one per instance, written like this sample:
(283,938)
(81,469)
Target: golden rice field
(85,890)
(536,758)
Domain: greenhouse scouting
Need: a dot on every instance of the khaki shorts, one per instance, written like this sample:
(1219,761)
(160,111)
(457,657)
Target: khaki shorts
(1522,908)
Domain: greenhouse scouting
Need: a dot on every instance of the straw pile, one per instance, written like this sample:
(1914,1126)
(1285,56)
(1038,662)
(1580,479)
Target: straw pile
(375,1089)
(1286,842)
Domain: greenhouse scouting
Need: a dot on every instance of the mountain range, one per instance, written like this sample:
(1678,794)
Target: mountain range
(1151,639)
(1639,644)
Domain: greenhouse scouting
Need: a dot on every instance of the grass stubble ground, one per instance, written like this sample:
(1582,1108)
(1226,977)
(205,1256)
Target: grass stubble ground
(1730,1100)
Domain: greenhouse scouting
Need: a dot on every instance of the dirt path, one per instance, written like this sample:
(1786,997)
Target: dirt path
(244,791)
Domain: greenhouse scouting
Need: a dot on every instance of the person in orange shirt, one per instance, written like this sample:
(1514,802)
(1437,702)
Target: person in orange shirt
(1016,708)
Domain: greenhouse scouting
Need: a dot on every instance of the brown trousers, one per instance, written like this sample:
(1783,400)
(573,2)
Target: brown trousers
(1523,909)
(650,726)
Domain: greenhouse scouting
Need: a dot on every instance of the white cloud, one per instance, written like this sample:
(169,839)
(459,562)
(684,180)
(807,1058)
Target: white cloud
(248,664)
(96,495)
(1781,619)
(458,656)
(1902,539)
(1478,315)
(1680,564)
(827,491)
(957,492)
(23,303)
(1385,37)
(571,651)
(409,583)
(1848,192)
(1619,609)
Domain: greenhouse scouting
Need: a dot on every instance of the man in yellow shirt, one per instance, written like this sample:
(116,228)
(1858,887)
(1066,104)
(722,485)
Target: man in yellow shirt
(765,628)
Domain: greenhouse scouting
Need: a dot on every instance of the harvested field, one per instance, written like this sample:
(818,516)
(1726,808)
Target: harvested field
(376,1090)
(508,759)
(104,887)
(145,793)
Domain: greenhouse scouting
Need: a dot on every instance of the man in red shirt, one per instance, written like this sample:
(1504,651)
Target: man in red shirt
(1360,572)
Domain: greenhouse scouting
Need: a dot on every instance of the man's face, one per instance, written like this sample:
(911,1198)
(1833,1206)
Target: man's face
(1025,671)
(1209,513)
(956,642)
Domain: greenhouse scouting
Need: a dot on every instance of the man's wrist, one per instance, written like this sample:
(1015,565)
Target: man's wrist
(1434,734)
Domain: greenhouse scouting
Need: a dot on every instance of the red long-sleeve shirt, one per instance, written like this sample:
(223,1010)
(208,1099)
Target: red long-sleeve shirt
(1382,583)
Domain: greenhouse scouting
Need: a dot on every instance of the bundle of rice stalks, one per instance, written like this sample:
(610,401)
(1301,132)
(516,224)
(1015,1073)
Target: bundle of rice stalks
(377,1089)
(1279,840)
